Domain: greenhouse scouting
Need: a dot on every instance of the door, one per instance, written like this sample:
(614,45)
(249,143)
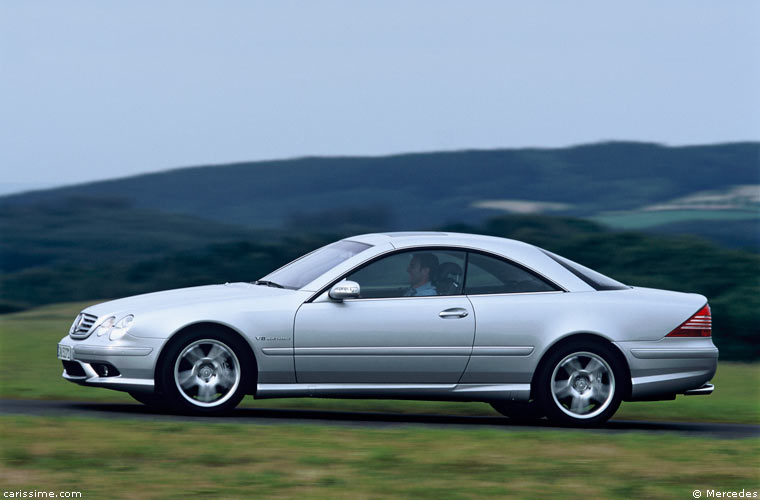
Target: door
(410,326)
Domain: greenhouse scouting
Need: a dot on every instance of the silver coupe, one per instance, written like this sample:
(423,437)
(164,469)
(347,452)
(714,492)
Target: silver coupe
(437,316)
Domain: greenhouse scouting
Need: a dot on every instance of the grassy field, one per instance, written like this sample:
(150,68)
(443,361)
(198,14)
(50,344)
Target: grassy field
(124,459)
(643,220)
(30,370)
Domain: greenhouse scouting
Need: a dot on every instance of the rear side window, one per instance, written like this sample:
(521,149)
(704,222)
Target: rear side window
(490,275)
(596,280)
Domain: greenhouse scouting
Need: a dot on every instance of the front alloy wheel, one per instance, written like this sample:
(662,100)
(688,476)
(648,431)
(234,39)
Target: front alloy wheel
(205,372)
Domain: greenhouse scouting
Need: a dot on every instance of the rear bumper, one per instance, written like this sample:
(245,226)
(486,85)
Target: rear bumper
(670,366)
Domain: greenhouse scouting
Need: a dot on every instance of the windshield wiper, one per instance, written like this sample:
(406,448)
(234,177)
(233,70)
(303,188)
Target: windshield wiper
(268,283)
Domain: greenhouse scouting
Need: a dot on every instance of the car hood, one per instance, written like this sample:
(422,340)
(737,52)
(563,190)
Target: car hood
(185,297)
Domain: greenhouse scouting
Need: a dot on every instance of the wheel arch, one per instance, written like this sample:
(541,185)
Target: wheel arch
(178,335)
(588,337)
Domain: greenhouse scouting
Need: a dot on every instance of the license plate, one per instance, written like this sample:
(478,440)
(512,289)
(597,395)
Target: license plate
(65,352)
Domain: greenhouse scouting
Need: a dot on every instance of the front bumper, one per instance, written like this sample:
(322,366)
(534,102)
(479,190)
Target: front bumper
(134,360)
(670,366)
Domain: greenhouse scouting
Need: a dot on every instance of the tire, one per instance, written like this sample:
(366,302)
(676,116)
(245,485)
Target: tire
(580,384)
(150,399)
(206,372)
(519,411)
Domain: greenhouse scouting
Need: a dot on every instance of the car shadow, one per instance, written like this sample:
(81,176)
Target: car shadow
(383,419)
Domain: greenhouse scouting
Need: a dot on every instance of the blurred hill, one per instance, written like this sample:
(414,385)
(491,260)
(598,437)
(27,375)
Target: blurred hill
(617,181)
(97,231)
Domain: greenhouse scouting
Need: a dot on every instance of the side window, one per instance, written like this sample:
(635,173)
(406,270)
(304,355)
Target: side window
(486,275)
(413,273)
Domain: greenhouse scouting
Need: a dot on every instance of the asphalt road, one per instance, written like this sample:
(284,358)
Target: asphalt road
(356,419)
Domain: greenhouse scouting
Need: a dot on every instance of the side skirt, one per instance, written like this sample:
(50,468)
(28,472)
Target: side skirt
(436,392)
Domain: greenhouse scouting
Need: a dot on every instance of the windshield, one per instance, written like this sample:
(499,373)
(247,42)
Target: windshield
(312,265)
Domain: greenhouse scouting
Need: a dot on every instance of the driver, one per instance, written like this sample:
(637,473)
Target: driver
(421,268)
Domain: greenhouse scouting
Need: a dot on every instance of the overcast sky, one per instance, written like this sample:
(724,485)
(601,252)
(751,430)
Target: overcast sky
(93,90)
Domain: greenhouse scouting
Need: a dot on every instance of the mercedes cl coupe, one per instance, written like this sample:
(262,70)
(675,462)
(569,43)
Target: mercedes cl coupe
(436,316)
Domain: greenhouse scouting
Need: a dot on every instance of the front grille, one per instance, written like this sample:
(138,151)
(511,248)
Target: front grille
(73,369)
(81,327)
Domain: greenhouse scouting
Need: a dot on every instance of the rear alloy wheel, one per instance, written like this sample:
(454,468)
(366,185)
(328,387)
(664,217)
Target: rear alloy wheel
(580,386)
(205,373)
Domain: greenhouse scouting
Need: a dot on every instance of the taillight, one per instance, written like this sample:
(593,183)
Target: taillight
(699,325)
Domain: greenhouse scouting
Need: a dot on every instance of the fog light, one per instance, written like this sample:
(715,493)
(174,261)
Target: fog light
(105,370)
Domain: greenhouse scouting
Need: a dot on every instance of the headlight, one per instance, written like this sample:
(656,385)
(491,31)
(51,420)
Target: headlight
(121,327)
(105,326)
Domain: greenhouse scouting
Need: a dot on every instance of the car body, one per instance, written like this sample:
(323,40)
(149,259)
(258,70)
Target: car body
(506,323)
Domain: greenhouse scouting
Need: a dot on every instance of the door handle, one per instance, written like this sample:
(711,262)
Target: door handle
(454,312)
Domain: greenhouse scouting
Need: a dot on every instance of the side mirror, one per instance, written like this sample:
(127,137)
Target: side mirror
(345,290)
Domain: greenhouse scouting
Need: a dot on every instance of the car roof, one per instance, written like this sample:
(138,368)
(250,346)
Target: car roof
(412,238)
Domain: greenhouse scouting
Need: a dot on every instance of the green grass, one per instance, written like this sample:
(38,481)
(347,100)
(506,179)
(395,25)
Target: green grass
(30,370)
(645,220)
(147,460)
